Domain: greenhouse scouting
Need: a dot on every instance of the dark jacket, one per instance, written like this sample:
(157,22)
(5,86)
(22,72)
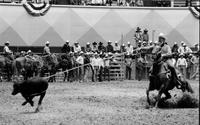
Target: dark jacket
(66,48)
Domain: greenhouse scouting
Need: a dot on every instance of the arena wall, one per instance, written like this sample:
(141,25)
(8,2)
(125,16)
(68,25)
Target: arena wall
(89,24)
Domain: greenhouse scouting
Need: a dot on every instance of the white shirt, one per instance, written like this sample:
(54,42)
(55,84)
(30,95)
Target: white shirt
(181,49)
(6,49)
(129,49)
(116,48)
(77,49)
(181,62)
(100,62)
(94,61)
(47,50)
(80,60)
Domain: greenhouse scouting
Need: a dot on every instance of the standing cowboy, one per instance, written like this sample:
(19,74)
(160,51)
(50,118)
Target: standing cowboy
(138,35)
(46,49)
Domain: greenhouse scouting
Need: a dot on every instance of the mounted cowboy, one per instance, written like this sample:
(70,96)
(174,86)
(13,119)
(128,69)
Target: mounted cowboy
(166,54)
(7,52)
(46,48)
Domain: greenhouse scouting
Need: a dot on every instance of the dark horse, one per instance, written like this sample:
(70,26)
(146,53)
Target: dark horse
(162,79)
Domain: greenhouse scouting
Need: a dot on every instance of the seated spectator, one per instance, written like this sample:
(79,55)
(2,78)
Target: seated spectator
(77,47)
(109,47)
(101,48)
(94,48)
(138,36)
(123,48)
(181,49)
(175,48)
(129,48)
(88,48)
(145,36)
(66,47)
(186,49)
(116,47)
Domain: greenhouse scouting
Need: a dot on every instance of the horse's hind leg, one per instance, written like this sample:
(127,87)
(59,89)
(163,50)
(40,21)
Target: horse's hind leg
(40,102)
(147,93)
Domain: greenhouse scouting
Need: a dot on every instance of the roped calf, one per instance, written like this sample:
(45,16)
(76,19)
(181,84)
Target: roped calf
(31,88)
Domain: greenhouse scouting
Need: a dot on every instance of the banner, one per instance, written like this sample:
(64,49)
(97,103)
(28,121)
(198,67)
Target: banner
(36,9)
(195,11)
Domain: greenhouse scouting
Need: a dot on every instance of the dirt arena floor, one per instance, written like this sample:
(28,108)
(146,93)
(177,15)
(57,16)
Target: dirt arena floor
(106,103)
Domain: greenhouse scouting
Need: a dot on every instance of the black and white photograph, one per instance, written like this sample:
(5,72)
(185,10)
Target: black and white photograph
(99,62)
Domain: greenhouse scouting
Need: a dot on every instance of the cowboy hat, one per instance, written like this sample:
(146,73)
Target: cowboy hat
(7,42)
(29,51)
(161,35)
(47,42)
(94,43)
(138,29)
(109,41)
(88,43)
(116,42)
(67,41)
(145,30)
(128,42)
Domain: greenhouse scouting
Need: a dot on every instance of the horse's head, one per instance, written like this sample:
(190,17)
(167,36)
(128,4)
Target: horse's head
(156,54)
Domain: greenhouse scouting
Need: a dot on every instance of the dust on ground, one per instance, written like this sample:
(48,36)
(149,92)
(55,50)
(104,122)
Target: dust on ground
(102,103)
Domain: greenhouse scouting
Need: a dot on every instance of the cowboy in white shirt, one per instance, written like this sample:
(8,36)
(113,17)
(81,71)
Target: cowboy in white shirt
(95,65)
(47,49)
(77,47)
(6,49)
(80,61)
(182,65)
(181,48)
(186,49)
(116,47)
(129,48)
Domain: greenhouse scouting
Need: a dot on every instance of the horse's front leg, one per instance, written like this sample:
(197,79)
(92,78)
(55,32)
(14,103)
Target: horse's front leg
(160,92)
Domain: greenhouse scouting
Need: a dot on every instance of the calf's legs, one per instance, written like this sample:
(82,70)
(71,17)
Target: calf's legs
(40,102)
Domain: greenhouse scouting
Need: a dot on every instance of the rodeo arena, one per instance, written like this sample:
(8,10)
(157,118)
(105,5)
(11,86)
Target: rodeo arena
(99,62)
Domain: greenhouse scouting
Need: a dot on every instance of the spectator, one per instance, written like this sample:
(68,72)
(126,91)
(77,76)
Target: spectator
(145,36)
(129,48)
(128,63)
(186,49)
(109,47)
(95,65)
(66,48)
(46,50)
(195,64)
(94,48)
(139,3)
(106,66)
(101,66)
(77,47)
(138,35)
(175,48)
(182,65)
(150,43)
(101,48)
(140,71)
(88,48)
(7,52)
(123,48)
(116,47)
(80,61)
(181,49)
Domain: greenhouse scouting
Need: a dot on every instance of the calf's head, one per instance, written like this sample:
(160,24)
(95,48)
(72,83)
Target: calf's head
(16,88)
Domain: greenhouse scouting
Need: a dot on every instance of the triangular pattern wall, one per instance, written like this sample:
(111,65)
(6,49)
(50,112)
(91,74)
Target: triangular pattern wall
(88,24)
